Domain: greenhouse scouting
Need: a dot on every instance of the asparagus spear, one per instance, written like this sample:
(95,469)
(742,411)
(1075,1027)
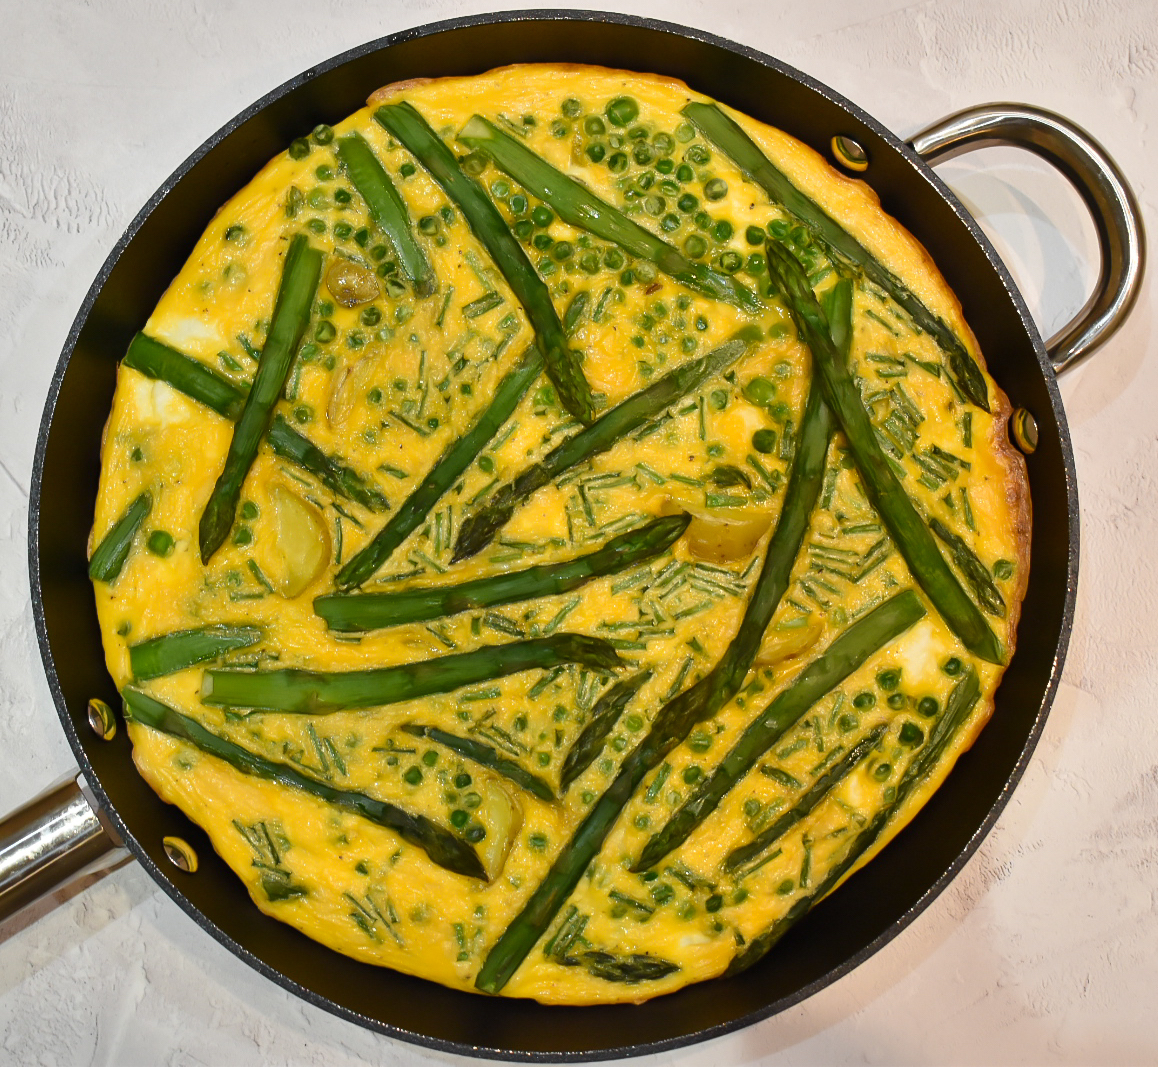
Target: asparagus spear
(976,573)
(637,967)
(406,124)
(478,530)
(908,531)
(578,206)
(337,477)
(960,703)
(460,455)
(676,719)
(291,315)
(604,716)
(387,209)
(318,693)
(743,151)
(183,648)
(807,802)
(369,611)
(109,556)
(486,756)
(833,666)
(443,847)
(159,361)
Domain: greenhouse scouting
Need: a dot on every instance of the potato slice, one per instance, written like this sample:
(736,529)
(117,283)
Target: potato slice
(788,639)
(716,536)
(502,815)
(302,542)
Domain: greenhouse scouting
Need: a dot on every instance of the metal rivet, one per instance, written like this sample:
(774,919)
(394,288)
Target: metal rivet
(849,153)
(1023,430)
(102,720)
(180,853)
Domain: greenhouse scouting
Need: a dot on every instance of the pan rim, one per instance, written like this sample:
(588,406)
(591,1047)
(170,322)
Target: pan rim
(161,877)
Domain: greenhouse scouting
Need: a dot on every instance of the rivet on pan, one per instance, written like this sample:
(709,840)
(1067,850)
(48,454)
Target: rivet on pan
(102,720)
(849,153)
(180,853)
(1023,430)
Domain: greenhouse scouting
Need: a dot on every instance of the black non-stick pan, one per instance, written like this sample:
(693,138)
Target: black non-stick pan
(60,832)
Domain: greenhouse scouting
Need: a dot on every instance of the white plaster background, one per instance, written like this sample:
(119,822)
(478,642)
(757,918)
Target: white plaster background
(1045,949)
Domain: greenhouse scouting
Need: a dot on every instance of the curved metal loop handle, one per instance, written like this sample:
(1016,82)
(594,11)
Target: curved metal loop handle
(1098,181)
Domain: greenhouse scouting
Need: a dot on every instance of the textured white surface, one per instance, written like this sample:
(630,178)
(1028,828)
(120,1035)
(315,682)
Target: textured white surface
(1045,950)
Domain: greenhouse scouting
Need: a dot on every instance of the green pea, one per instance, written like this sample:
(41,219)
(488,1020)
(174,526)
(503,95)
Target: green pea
(722,231)
(778,229)
(786,887)
(559,130)
(234,232)
(613,259)
(716,189)
(684,173)
(664,143)
(407,170)
(897,701)
(342,196)
(888,680)
(299,148)
(622,111)
(486,464)
(882,771)
(428,225)
(952,666)
(362,237)
(928,706)
(459,818)
(654,205)
(594,126)
(764,442)
(500,188)
(542,241)
(731,261)
(688,203)
(430,757)
(243,535)
(316,226)
(160,543)
(698,155)
(912,735)
(642,154)
(864,700)
(342,230)
(379,252)
(642,822)
(701,323)
(754,235)
(325,331)
(474,834)
(542,216)
(523,229)
(303,413)
(374,395)
(325,172)
(461,780)
(799,236)
(665,166)
(695,246)
(472,800)
(562,250)
(645,181)
(669,223)
(1002,570)
(847,723)
(617,162)
(703,220)
(474,164)
(760,391)
(692,774)
(589,262)
(518,204)
(756,264)
(571,107)
(249,511)
(323,134)
(595,152)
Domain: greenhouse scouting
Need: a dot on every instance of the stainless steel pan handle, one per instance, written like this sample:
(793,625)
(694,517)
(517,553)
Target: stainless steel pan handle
(1098,181)
(50,841)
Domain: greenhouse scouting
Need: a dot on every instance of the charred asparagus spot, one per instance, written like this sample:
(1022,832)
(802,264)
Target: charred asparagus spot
(480,528)
(460,455)
(291,315)
(851,649)
(578,206)
(678,717)
(370,611)
(174,652)
(486,756)
(562,364)
(604,716)
(730,139)
(443,847)
(637,967)
(387,210)
(159,361)
(305,692)
(957,708)
(109,556)
(807,802)
(905,525)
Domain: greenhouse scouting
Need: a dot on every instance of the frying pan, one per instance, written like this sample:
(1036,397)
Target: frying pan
(78,824)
